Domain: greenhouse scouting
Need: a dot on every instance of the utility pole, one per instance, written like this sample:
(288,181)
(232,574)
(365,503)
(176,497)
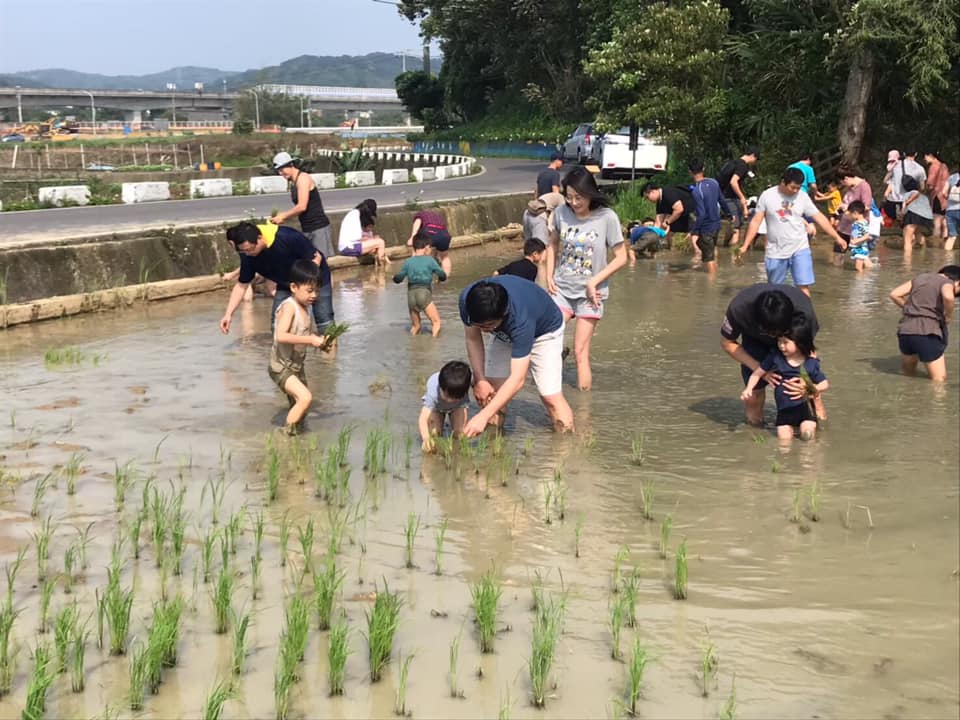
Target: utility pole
(19,107)
(426,55)
(256,105)
(172,87)
(93,111)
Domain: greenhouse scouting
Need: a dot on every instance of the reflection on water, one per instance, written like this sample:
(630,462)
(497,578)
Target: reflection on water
(830,619)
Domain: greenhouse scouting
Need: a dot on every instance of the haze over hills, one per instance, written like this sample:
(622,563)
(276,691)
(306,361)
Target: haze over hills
(371,70)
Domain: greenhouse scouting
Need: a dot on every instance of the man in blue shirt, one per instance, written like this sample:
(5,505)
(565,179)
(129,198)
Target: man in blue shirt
(527,329)
(805,165)
(706,227)
(270,251)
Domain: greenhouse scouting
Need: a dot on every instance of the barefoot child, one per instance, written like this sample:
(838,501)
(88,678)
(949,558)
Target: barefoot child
(446,396)
(418,272)
(859,236)
(527,266)
(644,238)
(294,331)
(791,359)
(927,301)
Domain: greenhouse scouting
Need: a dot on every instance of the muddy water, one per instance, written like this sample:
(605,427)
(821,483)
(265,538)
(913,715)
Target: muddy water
(814,620)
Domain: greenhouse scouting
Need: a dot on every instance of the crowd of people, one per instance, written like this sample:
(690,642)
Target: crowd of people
(576,242)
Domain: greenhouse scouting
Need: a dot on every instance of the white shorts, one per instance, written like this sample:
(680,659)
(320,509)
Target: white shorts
(546,361)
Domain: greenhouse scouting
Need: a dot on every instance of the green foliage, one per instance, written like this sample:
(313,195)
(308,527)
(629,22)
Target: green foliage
(422,96)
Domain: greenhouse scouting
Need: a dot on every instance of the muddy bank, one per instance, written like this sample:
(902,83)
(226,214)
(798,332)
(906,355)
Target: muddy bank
(80,267)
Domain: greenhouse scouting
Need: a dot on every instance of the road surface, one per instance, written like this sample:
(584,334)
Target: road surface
(501,176)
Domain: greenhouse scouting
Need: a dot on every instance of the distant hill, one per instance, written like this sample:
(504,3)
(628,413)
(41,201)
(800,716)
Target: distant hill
(373,70)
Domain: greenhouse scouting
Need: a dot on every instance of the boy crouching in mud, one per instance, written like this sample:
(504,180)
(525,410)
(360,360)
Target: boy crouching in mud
(294,331)
(446,395)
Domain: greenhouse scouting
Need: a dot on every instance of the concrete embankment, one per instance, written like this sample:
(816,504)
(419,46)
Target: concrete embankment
(68,277)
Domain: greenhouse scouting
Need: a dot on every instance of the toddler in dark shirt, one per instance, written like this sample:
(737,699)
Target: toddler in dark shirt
(526,267)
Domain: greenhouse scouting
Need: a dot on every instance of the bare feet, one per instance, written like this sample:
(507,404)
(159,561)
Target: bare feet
(415,330)
(435,331)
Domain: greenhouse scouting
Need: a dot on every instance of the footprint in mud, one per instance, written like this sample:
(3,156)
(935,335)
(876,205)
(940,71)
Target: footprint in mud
(882,666)
(821,663)
(70,402)
(138,389)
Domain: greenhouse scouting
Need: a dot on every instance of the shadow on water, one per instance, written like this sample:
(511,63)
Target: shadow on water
(888,365)
(725,411)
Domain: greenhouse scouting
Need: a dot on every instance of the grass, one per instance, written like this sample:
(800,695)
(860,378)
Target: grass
(166,622)
(636,448)
(217,698)
(326,584)
(83,543)
(178,529)
(382,624)
(621,557)
(439,534)
(222,597)
(400,706)
(42,539)
(547,626)
(337,653)
(452,672)
(40,681)
(709,667)
(285,675)
(410,537)
(343,444)
(680,578)
(39,490)
(240,624)
(325,476)
(666,525)
(577,533)
(218,490)
(646,499)
(123,479)
(486,596)
(635,668)
(617,609)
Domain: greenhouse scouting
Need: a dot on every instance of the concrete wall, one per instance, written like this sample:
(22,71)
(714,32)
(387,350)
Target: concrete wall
(115,260)
(324,181)
(60,194)
(391,177)
(144,192)
(268,184)
(211,187)
(356,178)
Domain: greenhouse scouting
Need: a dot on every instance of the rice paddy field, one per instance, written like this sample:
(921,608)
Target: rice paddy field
(169,554)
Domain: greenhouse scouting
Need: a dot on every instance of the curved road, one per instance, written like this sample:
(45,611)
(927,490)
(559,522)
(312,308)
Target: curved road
(500,177)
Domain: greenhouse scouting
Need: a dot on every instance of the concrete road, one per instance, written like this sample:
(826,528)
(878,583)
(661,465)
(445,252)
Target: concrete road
(500,177)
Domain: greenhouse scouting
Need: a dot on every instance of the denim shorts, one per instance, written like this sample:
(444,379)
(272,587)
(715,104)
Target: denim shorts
(800,265)
(953,222)
(734,211)
(578,307)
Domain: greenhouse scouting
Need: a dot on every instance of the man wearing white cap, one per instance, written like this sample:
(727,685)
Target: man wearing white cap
(897,167)
(307,205)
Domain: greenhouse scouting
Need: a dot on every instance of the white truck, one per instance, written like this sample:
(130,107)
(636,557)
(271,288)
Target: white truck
(616,157)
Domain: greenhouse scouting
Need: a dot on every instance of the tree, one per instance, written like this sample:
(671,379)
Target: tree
(422,96)
(275,108)
(662,70)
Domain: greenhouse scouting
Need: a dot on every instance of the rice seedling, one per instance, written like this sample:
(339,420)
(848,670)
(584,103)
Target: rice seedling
(775,467)
(240,625)
(486,596)
(258,527)
(444,446)
(453,681)
(207,541)
(680,578)
(11,571)
(39,490)
(636,448)
(382,624)
(709,667)
(337,653)
(83,544)
(117,606)
(133,532)
(407,448)
(305,535)
(273,473)
(729,710)
(621,557)
(222,597)
(630,592)
(69,563)
(40,681)
(284,677)
(284,537)
(547,501)
(410,537)
(635,669)
(439,534)
(55,357)
(234,528)
(331,333)
(547,625)
(123,479)
(326,584)
(76,654)
(178,530)
(646,499)
(8,618)
(343,486)
(63,627)
(325,476)
(218,490)
(46,594)
(42,539)
(297,614)
(166,623)
(338,525)
(400,706)
(617,609)
(217,698)
(505,706)
(559,493)
(666,525)
(577,533)
(590,440)
(795,508)
(813,501)
(342,445)
(139,670)
(254,575)
(101,605)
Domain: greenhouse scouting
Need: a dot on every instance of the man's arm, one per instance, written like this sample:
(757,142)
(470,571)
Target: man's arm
(752,229)
(821,220)
(501,398)
(900,294)
(736,351)
(476,356)
(236,297)
(676,210)
(735,186)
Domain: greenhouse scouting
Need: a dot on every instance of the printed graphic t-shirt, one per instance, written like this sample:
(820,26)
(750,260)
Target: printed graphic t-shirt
(583,248)
(786,228)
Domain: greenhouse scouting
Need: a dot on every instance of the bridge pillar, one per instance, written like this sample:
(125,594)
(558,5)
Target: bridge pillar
(134,117)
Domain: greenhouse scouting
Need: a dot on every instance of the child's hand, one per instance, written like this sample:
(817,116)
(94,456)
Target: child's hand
(427,446)
(746,394)
(319,341)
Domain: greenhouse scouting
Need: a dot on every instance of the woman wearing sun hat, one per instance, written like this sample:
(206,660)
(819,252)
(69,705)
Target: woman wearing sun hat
(307,205)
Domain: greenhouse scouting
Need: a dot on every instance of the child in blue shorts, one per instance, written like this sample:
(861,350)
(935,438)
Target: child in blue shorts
(859,236)
(791,359)
(447,395)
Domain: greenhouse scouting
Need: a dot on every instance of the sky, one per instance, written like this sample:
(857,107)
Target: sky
(135,37)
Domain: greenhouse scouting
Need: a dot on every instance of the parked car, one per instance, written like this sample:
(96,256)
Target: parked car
(581,145)
(616,157)
(15,137)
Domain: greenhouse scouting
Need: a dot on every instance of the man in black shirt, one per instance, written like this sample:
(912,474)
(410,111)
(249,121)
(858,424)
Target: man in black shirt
(674,205)
(548,181)
(757,316)
(270,251)
(731,178)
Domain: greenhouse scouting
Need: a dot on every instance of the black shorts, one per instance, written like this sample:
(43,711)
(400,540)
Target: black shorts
(440,240)
(836,247)
(891,209)
(938,209)
(795,415)
(758,351)
(708,246)
(911,218)
(681,224)
(927,347)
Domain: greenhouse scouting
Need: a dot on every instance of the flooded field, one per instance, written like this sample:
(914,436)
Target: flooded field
(158,423)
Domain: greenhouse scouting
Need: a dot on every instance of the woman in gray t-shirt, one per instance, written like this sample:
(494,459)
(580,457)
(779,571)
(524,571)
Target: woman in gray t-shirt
(583,232)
